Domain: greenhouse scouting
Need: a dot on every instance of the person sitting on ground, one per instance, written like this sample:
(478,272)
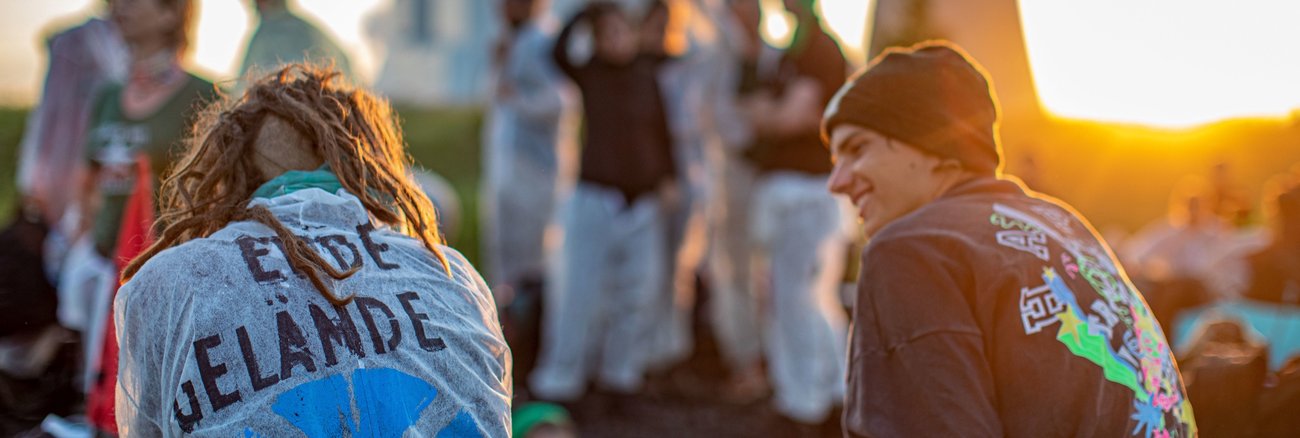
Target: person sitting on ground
(983,308)
(299,274)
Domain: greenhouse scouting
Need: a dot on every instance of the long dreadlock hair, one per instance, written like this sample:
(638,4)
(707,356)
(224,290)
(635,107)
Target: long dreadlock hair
(355,133)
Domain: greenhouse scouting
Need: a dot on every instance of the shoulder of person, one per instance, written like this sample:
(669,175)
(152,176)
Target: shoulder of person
(942,217)
(462,270)
(172,274)
(182,263)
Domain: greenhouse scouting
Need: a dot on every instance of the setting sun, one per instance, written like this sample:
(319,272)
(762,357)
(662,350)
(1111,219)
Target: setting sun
(1166,63)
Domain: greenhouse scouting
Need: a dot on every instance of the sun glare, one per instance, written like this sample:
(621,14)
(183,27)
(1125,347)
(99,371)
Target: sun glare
(223,26)
(1166,63)
(846,19)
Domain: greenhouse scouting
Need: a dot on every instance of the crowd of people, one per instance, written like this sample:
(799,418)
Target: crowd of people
(263,261)
(700,163)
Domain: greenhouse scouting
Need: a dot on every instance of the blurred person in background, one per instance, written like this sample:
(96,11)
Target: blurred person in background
(81,60)
(797,226)
(50,229)
(1273,272)
(683,31)
(299,272)
(283,37)
(750,62)
(611,262)
(983,308)
(1227,199)
(136,126)
(529,147)
(1172,261)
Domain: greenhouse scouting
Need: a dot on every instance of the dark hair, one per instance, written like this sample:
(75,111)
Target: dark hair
(354,132)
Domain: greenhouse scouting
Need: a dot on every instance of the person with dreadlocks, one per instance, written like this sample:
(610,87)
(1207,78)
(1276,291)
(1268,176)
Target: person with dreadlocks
(299,283)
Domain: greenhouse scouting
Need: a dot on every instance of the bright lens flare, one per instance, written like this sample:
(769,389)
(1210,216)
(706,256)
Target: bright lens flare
(222,32)
(1165,63)
(845,19)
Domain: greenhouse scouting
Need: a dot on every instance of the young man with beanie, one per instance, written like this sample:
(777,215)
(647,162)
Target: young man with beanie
(983,309)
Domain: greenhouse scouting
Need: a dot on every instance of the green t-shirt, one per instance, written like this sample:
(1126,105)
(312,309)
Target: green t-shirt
(282,38)
(115,140)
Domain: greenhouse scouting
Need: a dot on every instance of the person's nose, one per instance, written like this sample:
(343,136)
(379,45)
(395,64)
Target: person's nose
(840,179)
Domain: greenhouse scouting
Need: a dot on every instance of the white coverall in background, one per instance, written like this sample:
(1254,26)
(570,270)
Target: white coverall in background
(530,138)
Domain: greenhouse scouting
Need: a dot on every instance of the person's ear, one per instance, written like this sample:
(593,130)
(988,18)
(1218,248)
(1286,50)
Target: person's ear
(947,166)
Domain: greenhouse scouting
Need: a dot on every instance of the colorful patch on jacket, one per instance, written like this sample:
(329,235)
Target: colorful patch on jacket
(1115,330)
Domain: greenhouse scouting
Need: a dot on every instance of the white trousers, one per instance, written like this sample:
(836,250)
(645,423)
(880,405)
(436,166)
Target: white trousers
(518,200)
(732,308)
(601,294)
(798,227)
(686,240)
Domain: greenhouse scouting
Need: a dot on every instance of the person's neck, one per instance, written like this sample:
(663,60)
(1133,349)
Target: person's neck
(954,180)
(148,48)
(153,78)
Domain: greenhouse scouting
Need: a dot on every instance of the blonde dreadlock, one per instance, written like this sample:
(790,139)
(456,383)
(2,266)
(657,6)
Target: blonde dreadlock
(352,131)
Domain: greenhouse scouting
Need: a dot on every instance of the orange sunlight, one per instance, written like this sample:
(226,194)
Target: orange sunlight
(1164,63)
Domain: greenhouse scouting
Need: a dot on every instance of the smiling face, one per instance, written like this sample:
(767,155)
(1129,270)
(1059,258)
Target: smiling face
(885,178)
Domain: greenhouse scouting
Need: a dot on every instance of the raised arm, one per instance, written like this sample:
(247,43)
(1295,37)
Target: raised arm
(560,53)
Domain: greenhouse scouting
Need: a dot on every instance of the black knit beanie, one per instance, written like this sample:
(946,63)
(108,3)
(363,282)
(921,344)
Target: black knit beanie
(932,96)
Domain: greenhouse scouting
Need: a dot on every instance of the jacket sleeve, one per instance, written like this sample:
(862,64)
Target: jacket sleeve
(917,364)
(537,93)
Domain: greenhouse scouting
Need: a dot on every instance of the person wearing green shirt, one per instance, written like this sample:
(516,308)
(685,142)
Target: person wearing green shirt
(141,118)
(118,137)
(282,37)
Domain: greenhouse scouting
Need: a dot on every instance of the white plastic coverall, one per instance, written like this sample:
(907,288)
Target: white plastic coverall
(799,227)
(601,293)
(219,336)
(690,86)
(530,136)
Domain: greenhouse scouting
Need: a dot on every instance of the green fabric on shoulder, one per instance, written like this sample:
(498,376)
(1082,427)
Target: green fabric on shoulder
(294,180)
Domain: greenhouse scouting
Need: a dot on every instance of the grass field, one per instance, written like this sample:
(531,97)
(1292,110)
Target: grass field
(445,141)
(11,132)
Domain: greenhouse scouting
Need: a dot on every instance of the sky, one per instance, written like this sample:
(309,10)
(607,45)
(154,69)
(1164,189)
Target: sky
(1165,63)
(1168,63)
